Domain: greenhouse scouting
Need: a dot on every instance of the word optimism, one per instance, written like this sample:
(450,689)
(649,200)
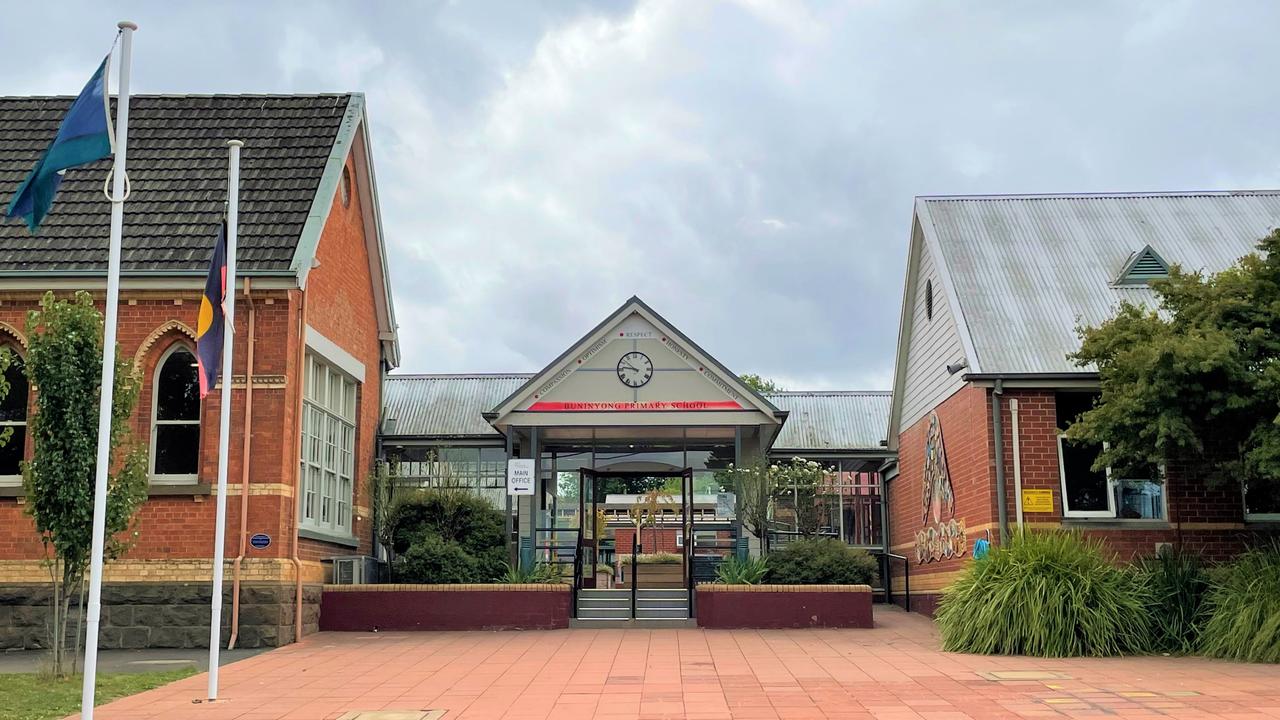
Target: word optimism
(545,406)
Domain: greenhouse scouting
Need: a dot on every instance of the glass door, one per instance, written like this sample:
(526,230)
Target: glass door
(588,510)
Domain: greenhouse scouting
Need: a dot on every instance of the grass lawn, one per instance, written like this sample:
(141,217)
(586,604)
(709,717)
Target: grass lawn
(28,696)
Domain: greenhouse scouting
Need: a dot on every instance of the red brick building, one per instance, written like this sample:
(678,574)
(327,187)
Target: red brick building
(315,334)
(996,287)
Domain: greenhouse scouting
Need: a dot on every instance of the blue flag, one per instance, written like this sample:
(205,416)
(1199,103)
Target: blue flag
(83,137)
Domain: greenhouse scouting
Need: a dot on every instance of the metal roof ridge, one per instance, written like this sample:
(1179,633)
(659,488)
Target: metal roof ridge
(447,376)
(1120,195)
(792,393)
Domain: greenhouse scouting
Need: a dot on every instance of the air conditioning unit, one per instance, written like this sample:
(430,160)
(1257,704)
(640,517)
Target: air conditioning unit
(355,570)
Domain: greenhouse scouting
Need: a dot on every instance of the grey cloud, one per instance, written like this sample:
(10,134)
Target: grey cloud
(746,167)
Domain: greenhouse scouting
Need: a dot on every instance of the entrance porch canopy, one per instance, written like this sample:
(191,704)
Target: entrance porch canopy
(633,376)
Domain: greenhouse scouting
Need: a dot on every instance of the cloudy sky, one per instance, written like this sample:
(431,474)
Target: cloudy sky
(745,167)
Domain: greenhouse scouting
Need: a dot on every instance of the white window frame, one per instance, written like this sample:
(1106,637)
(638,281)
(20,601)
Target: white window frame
(16,480)
(166,478)
(1112,484)
(327,463)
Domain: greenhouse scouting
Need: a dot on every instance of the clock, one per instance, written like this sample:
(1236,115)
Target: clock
(635,369)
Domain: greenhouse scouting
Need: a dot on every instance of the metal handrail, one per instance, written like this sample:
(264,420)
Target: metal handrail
(906,577)
(635,574)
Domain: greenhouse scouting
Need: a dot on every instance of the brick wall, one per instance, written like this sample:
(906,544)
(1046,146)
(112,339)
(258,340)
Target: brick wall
(964,422)
(1203,520)
(340,305)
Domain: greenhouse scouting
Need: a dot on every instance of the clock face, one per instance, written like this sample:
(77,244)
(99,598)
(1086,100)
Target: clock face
(635,369)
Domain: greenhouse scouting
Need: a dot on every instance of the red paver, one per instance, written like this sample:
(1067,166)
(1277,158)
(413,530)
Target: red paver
(894,672)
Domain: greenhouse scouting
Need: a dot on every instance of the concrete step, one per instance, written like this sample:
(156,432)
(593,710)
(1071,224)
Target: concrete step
(662,593)
(602,593)
(663,613)
(604,613)
(647,624)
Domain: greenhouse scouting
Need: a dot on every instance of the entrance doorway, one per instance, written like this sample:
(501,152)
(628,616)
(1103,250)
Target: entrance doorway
(635,545)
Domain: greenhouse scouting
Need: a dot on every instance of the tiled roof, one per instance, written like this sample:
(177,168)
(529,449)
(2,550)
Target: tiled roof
(1028,270)
(177,166)
(832,420)
(451,406)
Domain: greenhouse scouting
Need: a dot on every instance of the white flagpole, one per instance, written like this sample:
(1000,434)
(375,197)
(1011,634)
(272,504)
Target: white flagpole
(224,421)
(106,403)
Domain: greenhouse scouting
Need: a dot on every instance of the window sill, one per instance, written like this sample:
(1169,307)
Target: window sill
(198,488)
(1117,523)
(12,491)
(322,536)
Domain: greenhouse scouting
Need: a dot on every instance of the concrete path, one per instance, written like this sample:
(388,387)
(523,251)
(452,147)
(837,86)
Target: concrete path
(130,661)
(894,672)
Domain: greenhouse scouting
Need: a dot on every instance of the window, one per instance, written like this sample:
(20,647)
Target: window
(175,418)
(13,417)
(928,299)
(346,187)
(482,471)
(328,447)
(1087,493)
(1262,502)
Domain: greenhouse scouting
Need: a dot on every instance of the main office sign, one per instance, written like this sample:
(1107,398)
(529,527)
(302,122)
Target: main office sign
(647,406)
(520,476)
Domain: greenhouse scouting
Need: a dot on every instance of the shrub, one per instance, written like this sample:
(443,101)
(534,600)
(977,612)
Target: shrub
(1178,584)
(1243,608)
(451,515)
(821,561)
(446,536)
(735,571)
(1050,594)
(541,573)
(658,558)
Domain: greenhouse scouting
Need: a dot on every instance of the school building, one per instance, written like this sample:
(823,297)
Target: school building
(966,445)
(995,289)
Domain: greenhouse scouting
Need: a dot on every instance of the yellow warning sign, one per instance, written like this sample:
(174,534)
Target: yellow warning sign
(1037,501)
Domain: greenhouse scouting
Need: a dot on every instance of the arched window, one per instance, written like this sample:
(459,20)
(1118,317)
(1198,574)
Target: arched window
(13,418)
(175,417)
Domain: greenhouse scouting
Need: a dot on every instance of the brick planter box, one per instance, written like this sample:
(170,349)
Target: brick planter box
(783,606)
(362,608)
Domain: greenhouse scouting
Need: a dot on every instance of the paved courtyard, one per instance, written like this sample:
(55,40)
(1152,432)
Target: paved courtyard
(893,672)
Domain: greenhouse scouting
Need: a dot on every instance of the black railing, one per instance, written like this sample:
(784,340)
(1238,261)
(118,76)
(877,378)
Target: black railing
(635,574)
(886,560)
(555,553)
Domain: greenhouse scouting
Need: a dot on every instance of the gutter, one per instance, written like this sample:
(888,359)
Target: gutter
(997,428)
(244,476)
(297,464)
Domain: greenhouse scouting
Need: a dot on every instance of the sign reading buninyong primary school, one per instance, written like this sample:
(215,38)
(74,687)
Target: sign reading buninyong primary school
(520,476)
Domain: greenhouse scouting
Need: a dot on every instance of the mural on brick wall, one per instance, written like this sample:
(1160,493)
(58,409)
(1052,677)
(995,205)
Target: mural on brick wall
(943,534)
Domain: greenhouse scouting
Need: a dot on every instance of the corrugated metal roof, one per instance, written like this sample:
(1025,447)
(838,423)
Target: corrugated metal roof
(832,420)
(1027,270)
(435,406)
(446,406)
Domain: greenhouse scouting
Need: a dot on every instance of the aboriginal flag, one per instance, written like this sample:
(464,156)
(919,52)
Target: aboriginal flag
(211,324)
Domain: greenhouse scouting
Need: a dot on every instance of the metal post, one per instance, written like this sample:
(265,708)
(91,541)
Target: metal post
(106,402)
(224,419)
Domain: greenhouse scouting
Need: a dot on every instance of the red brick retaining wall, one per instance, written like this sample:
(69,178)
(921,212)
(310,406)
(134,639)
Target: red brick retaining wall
(362,608)
(784,606)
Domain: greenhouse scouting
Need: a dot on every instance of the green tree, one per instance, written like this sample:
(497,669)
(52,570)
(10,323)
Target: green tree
(1194,382)
(64,364)
(759,384)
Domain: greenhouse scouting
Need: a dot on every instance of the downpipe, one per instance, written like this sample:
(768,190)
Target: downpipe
(244,475)
(997,427)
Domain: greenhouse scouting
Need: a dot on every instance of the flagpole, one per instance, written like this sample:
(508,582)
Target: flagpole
(224,420)
(106,402)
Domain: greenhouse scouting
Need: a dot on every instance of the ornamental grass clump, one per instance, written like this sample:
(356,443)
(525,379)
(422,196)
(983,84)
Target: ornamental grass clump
(1243,608)
(738,571)
(1178,584)
(1052,594)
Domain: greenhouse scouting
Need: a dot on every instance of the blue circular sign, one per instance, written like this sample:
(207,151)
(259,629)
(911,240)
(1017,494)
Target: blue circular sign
(260,540)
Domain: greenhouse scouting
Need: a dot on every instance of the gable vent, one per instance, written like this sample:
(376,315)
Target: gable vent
(1142,267)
